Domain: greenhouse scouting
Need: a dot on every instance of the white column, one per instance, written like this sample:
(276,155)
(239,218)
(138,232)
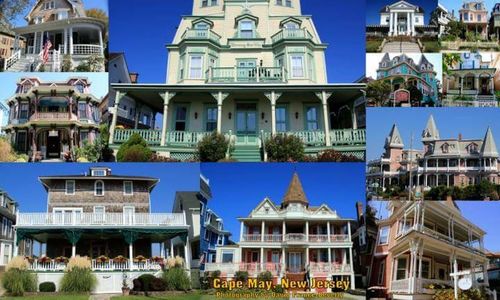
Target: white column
(171,249)
(307,231)
(307,255)
(326,121)
(42,37)
(283,231)
(328,231)
(220,99)
(162,249)
(15,251)
(35,42)
(65,41)
(164,126)
(241,231)
(283,259)
(408,21)
(273,113)
(353,286)
(455,278)
(395,23)
(391,20)
(112,128)
(329,255)
(73,250)
(71,40)
(131,256)
(261,255)
(262,231)
(187,253)
(413,23)
(100,42)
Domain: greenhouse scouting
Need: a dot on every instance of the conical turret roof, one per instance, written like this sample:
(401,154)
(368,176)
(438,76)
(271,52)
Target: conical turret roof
(489,147)
(394,139)
(295,192)
(430,133)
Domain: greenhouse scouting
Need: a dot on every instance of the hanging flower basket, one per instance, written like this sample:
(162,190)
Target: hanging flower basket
(61,259)
(44,260)
(139,259)
(120,259)
(157,259)
(102,259)
(29,259)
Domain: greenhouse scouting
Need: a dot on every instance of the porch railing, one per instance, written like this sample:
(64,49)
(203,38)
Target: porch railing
(9,62)
(295,237)
(318,238)
(246,74)
(252,237)
(400,285)
(348,136)
(273,238)
(87,49)
(325,267)
(185,138)
(152,137)
(52,116)
(201,34)
(291,34)
(110,265)
(99,220)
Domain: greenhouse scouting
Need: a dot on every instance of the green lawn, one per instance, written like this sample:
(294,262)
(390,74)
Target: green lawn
(373,45)
(54,297)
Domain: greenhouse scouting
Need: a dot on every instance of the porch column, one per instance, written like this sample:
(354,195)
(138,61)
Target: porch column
(461,85)
(492,86)
(131,256)
(307,256)
(137,115)
(33,143)
(241,231)
(307,231)
(328,231)
(71,40)
(171,249)
(455,278)
(262,230)
(273,97)
(396,24)
(262,256)
(473,274)
(73,250)
(187,253)
(354,118)
(412,23)
(100,42)
(476,83)
(420,254)
(408,24)
(16,247)
(65,41)
(118,97)
(42,37)
(283,259)
(391,18)
(353,286)
(326,123)
(34,42)
(283,231)
(167,96)
(329,255)
(220,97)
(162,249)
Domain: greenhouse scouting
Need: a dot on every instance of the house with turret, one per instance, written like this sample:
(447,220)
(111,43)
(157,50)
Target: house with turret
(249,70)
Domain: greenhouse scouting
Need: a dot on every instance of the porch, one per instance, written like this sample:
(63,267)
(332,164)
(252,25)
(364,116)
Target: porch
(471,84)
(247,116)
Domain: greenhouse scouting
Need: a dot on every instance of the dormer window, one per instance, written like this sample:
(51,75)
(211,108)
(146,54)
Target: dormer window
(287,3)
(70,187)
(291,26)
(80,87)
(62,15)
(201,26)
(206,3)
(472,148)
(445,148)
(98,173)
(247,29)
(38,20)
(49,5)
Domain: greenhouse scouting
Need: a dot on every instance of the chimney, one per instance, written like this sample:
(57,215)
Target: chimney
(359,209)
(134,77)
(459,137)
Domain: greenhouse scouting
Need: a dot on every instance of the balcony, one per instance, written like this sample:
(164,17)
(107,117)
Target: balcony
(201,34)
(87,49)
(292,34)
(251,268)
(246,75)
(318,268)
(53,116)
(403,285)
(108,266)
(79,219)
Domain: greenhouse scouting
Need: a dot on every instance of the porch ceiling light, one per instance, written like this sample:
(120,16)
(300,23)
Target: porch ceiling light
(196,115)
(229,115)
(262,115)
(296,115)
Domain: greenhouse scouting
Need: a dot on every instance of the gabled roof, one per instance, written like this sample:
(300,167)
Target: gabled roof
(386,58)
(401,4)
(77,6)
(295,192)
(489,147)
(246,14)
(290,19)
(203,20)
(394,139)
(424,60)
(430,133)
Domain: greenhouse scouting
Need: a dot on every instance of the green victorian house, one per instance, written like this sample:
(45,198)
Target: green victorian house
(248,70)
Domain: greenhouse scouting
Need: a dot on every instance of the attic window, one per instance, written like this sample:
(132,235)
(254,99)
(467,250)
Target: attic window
(445,148)
(49,5)
(291,26)
(79,87)
(206,3)
(287,3)
(99,173)
(247,29)
(472,148)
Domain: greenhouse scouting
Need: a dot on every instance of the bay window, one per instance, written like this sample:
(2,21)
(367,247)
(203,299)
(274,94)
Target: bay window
(297,63)
(247,29)
(211,119)
(195,66)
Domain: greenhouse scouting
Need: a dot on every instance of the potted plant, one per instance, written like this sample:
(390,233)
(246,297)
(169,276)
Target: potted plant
(102,259)
(44,259)
(140,259)
(125,288)
(119,259)
(61,259)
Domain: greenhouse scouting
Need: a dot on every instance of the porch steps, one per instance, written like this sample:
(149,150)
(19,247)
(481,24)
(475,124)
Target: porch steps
(301,276)
(401,47)
(22,65)
(246,154)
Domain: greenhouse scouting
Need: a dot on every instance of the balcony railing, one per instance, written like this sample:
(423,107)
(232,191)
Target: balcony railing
(273,238)
(325,267)
(295,237)
(246,74)
(251,268)
(348,136)
(252,238)
(152,137)
(99,220)
(53,266)
(201,34)
(292,34)
(318,238)
(314,238)
(87,49)
(52,116)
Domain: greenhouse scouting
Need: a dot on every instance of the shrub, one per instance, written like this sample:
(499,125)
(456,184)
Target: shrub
(78,277)
(47,287)
(241,276)
(145,282)
(335,156)
(265,276)
(176,279)
(138,147)
(278,289)
(137,285)
(157,285)
(285,148)
(212,148)
(17,279)
(89,152)
(6,152)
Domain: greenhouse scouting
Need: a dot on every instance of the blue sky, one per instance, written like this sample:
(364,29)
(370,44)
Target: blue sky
(471,123)
(455,5)
(144,41)
(374,6)
(239,188)
(88,4)
(23,185)
(482,213)
(8,80)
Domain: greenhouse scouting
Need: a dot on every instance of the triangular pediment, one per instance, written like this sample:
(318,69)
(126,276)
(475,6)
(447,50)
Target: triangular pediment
(290,19)
(324,210)
(203,20)
(402,4)
(265,207)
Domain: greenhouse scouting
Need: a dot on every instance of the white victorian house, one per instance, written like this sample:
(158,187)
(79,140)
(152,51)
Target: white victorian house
(401,18)
(248,70)
(74,37)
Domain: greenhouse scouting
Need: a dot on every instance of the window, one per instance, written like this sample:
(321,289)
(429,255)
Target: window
(445,148)
(381,271)
(211,121)
(99,173)
(383,235)
(204,3)
(70,187)
(24,111)
(49,5)
(4,226)
(227,256)
(291,26)
(401,268)
(79,87)
(84,138)
(99,188)
(38,20)
(297,63)
(62,15)
(246,29)
(275,257)
(426,268)
(281,119)
(82,110)
(128,188)
(207,235)
(479,18)
(180,118)
(279,2)
(2,200)
(6,253)
(288,3)
(99,212)
(312,122)
(21,141)
(213,2)
(195,67)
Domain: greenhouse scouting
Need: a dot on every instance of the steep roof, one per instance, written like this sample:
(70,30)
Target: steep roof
(386,58)
(424,60)
(418,9)
(430,132)
(489,147)
(394,139)
(295,192)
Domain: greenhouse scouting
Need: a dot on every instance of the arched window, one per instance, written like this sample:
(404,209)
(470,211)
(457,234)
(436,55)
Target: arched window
(99,188)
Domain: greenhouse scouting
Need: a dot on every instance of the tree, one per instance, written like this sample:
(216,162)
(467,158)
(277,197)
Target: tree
(450,60)
(416,95)
(11,9)
(99,14)
(378,91)
(457,29)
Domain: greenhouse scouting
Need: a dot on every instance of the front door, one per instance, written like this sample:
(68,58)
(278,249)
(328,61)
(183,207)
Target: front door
(294,262)
(128,215)
(53,144)
(246,124)
(484,86)
(58,42)
(247,70)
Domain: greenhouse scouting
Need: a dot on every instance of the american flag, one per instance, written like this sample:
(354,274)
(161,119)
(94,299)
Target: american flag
(47,44)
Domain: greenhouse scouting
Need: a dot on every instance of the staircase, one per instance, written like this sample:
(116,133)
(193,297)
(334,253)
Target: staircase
(21,65)
(246,153)
(296,277)
(401,47)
